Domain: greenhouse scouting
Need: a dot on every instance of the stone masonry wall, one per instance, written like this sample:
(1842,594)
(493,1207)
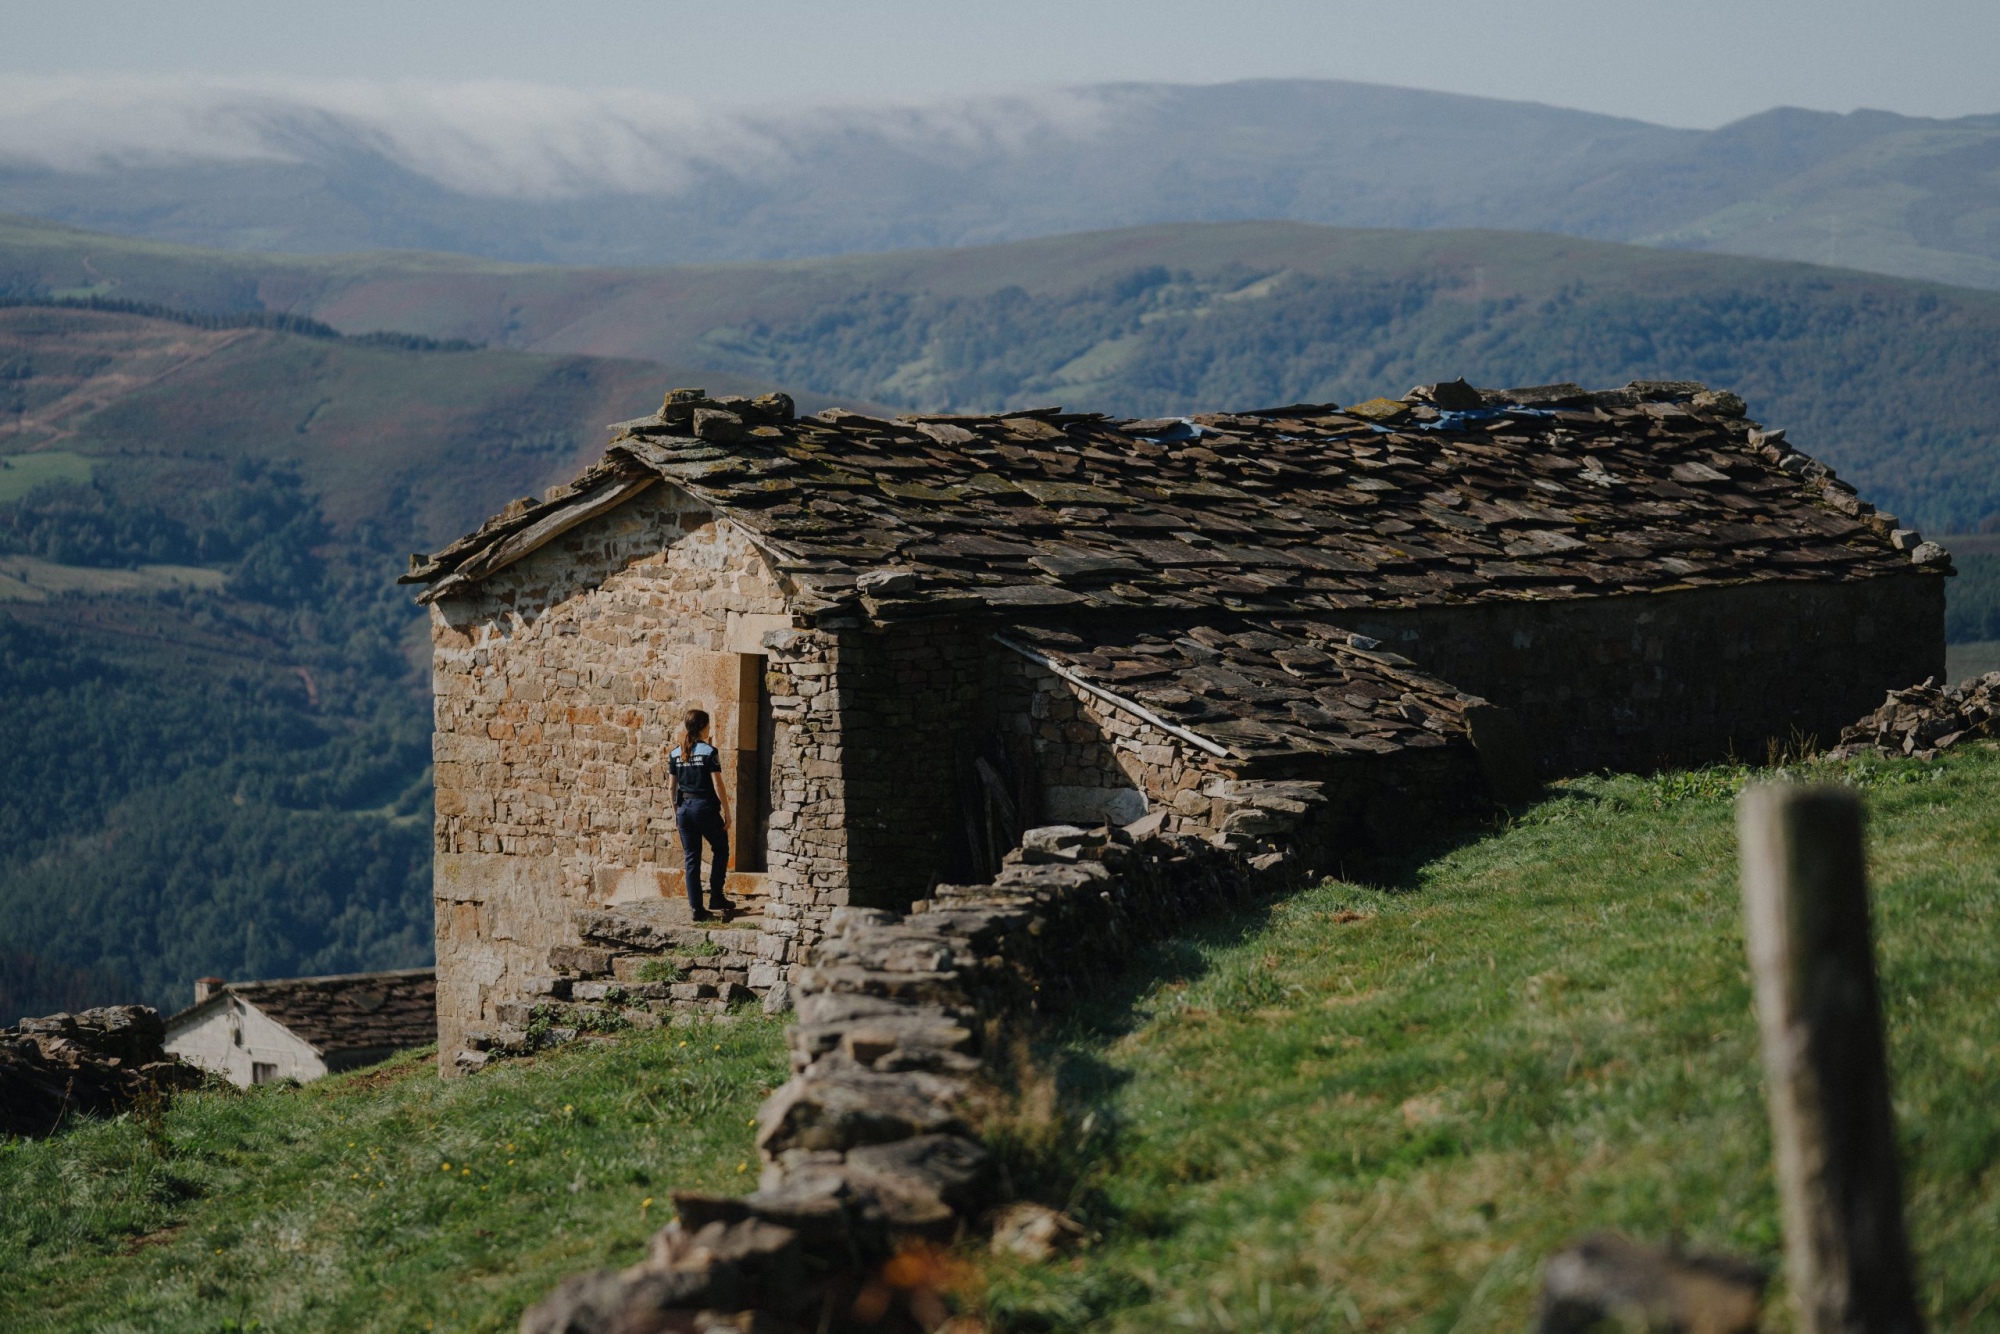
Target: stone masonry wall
(559,687)
(916,702)
(865,802)
(1096,762)
(1681,677)
(807,851)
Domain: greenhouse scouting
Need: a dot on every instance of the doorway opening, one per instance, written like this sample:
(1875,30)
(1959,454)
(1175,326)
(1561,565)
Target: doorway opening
(754,733)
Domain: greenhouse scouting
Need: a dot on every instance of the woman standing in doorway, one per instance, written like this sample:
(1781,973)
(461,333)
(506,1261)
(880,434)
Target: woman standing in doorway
(701,812)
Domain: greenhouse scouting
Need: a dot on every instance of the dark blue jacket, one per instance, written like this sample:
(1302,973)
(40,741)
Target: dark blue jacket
(693,779)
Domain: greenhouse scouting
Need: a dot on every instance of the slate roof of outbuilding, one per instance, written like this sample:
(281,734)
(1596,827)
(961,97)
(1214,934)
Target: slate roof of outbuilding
(1450,495)
(343,1012)
(1261,689)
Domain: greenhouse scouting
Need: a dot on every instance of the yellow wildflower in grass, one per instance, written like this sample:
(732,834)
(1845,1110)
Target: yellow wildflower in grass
(445,1168)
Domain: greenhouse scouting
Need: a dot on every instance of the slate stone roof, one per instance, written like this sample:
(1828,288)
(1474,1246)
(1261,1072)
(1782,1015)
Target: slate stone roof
(1449,495)
(1262,690)
(344,1012)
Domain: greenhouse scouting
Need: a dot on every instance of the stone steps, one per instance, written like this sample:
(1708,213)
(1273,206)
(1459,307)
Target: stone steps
(639,964)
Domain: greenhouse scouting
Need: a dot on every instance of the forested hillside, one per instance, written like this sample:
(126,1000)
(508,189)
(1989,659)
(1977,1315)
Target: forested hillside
(214,714)
(1895,383)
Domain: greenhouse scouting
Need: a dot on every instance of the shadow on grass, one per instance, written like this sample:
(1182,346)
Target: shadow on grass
(1064,1133)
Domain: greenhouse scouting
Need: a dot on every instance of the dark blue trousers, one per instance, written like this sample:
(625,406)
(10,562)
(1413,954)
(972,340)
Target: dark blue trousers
(697,821)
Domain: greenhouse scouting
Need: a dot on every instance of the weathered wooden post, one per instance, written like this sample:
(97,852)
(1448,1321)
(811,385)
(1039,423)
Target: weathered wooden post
(1812,962)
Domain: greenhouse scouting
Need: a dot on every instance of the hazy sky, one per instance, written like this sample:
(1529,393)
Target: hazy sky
(1690,63)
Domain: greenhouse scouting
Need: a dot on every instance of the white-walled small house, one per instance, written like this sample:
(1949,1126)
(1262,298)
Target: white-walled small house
(305,1027)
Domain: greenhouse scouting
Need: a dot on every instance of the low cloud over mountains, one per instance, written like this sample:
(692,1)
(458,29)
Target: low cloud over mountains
(623,177)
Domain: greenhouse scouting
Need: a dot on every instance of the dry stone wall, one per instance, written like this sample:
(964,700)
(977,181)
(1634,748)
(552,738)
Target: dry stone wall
(1927,718)
(901,1054)
(560,684)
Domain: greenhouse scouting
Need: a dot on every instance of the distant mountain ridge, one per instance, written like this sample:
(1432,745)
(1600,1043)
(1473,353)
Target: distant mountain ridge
(544,176)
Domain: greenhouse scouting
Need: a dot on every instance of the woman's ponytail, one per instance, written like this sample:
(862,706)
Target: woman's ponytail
(692,727)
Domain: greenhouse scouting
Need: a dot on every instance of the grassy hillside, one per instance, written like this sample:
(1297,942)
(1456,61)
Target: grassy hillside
(214,716)
(1894,382)
(380,1200)
(1380,1105)
(1373,1105)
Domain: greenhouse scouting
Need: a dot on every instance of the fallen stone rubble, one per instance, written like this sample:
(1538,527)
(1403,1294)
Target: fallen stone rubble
(1926,719)
(872,1151)
(93,1063)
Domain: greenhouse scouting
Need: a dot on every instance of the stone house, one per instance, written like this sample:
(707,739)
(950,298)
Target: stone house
(920,636)
(304,1027)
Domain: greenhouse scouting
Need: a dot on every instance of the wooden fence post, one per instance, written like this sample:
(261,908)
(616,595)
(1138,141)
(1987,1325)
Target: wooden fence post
(1812,962)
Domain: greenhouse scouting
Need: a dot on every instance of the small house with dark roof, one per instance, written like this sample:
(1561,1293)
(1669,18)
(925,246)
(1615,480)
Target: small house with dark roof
(920,636)
(304,1027)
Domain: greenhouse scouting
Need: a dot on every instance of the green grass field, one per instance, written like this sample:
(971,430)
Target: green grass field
(1379,1106)
(380,1200)
(1368,1106)
(22,473)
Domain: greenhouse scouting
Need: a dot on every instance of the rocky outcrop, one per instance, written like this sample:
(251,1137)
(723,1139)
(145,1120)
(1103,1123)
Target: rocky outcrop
(93,1063)
(873,1151)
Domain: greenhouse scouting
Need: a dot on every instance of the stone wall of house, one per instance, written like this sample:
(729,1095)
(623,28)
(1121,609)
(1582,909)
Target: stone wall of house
(1680,677)
(559,685)
(561,681)
(916,701)
(1095,762)
(807,848)
(874,730)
